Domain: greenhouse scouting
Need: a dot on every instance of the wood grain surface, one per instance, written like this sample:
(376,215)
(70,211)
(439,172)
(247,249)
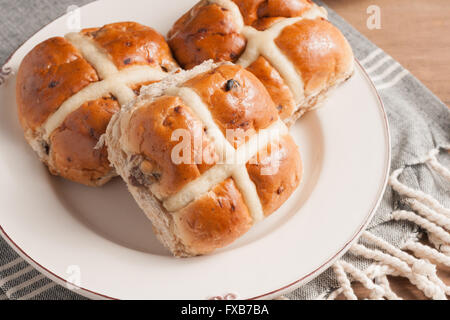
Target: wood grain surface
(414,32)
(417,34)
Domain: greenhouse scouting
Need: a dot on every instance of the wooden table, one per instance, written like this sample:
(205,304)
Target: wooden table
(417,34)
(414,32)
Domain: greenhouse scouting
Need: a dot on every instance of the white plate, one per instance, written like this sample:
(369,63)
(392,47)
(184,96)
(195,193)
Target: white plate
(55,224)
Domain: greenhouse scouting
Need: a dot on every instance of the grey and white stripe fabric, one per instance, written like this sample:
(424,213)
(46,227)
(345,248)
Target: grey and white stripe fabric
(20,281)
(419,122)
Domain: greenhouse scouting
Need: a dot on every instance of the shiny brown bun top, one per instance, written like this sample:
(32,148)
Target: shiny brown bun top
(331,58)
(236,100)
(56,72)
(255,12)
(130,43)
(224,30)
(206,32)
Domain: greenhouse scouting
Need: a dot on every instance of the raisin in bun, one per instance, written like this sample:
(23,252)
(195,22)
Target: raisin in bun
(68,89)
(288,44)
(229,181)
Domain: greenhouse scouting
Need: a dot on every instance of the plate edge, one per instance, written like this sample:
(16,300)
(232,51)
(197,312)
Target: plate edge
(289,287)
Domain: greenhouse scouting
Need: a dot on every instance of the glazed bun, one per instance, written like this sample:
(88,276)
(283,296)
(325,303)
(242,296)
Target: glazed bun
(239,163)
(288,44)
(68,89)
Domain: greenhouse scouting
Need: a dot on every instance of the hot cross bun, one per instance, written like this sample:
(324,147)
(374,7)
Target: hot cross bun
(68,89)
(205,155)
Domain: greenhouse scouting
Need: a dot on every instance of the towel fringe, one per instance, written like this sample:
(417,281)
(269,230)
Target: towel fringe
(429,214)
(406,191)
(414,261)
(5,72)
(344,281)
(434,164)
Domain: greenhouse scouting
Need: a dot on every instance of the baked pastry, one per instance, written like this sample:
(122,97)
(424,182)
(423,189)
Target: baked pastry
(68,89)
(205,155)
(288,44)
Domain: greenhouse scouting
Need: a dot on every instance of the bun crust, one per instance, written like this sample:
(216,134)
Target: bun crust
(51,73)
(149,134)
(254,11)
(210,32)
(318,50)
(236,99)
(130,43)
(197,209)
(284,168)
(213,221)
(63,103)
(272,80)
(74,142)
(286,43)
